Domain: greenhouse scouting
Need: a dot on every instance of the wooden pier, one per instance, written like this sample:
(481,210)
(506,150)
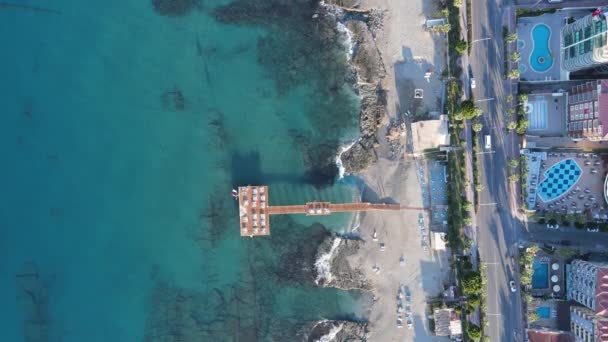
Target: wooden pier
(254,210)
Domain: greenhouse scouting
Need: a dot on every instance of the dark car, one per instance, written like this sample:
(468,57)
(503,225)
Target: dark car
(565,242)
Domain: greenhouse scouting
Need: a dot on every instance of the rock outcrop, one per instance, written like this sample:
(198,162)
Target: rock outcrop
(335,331)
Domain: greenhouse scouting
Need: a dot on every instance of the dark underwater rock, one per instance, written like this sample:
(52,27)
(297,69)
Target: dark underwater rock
(174,8)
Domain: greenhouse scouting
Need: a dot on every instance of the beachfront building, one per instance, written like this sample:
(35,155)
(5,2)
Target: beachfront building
(588,285)
(447,323)
(430,134)
(587,111)
(584,42)
(548,335)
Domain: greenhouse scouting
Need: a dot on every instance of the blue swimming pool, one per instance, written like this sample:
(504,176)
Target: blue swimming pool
(559,179)
(543,311)
(540,58)
(540,275)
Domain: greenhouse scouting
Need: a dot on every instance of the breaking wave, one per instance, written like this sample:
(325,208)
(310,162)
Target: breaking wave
(323,264)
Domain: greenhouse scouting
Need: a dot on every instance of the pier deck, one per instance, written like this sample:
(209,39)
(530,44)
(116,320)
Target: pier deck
(254,210)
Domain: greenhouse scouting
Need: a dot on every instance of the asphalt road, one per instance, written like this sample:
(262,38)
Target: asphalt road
(498,230)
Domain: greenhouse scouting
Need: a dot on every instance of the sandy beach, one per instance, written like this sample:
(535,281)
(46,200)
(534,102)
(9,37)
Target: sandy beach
(407,52)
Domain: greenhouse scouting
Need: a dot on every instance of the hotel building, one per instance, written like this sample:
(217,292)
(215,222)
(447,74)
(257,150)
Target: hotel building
(583,42)
(587,284)
(587,111)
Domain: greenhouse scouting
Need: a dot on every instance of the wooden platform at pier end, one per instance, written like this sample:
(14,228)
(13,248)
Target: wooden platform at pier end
(255,211)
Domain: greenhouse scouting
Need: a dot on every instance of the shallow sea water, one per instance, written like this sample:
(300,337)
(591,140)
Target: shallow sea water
(123,132)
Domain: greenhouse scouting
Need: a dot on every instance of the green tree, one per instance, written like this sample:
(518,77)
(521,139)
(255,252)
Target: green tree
(523,98)
(458,3)
(511,37)
(513,73)
(477,127)
(509,98)
(461,46)
(474,331)
(479,188)
(471,284)
(445,12)
(511,125)
(467,221)
(445,28)
(474,300)
(533,316)
(467,206)
(515,56)
(522,126)
(513,163)
(514,178)
(469,110)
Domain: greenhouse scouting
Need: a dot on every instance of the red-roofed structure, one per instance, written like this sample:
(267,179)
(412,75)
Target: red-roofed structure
(536,335)
(587,111)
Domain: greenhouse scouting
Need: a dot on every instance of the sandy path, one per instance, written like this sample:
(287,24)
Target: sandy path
(408,52)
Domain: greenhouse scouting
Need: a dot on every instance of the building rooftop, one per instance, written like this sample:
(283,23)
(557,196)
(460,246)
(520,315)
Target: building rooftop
(542,335)
(447,323)
(430,134)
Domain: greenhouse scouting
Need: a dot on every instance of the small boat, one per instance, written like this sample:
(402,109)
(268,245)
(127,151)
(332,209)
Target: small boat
(235,193)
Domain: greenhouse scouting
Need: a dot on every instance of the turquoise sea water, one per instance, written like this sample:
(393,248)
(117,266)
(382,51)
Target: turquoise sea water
(123,132)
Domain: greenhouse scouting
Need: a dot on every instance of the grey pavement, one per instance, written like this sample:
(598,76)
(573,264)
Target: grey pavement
(498,231)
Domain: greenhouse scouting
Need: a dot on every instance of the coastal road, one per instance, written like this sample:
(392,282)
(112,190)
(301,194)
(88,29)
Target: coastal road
(498,230)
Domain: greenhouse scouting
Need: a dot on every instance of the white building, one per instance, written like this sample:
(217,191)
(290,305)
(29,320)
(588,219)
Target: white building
(588,285)
(584,43)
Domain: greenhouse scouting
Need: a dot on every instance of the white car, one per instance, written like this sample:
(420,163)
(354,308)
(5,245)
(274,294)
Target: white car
(550,226)
(512,285)
(593,230)
(473,85)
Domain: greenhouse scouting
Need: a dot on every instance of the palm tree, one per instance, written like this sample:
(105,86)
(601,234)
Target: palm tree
(511,37)
(477,127)
(513,73)
(515,56)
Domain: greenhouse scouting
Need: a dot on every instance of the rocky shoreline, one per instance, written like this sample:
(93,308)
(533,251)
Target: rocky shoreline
(335,331)
(369,70)
(343,275)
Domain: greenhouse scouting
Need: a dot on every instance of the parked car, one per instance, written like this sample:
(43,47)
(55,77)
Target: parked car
(473,85)
(553,226)
(512,286)
(593,230)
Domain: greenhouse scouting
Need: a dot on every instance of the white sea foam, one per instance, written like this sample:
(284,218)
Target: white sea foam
(323,263)
(331,335)
(339,164)
(346,40)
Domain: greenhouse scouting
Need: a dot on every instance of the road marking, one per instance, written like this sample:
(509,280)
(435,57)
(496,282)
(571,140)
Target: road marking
(481,39)
(483,100)
(486,152)
(493,314)
(488,204)
(492,263)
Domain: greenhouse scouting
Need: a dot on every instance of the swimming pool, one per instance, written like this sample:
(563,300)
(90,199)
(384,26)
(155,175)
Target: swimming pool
(540,58)
(543,311)
(559,179)
(540,275)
